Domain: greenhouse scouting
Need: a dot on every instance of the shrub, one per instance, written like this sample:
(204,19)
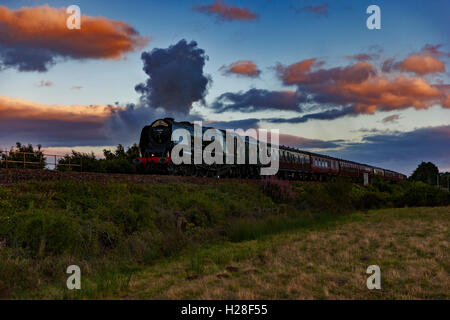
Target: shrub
(278,190)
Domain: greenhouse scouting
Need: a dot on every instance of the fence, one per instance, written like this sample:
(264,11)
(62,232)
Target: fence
(7,159)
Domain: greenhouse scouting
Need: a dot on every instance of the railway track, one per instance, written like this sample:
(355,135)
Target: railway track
(10,176)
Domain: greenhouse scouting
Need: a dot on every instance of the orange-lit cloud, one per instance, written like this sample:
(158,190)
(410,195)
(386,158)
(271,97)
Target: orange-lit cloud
(297,72)
(17,108)
(243,68)
(426,61)
(33,38)
(421,65)
(362,88)
(225,12)
(53,124)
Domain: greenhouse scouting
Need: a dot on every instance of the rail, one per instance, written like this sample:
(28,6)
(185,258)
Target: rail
(7,158)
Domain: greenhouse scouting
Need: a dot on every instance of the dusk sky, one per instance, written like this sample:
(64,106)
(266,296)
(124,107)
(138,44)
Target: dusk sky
(309,68)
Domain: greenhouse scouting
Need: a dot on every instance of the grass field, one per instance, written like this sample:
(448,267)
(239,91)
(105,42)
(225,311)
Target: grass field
(410,245)
(146,237)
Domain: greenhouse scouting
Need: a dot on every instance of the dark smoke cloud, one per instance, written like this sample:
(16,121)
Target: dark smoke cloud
(176,78)
(257,100)
(175,82)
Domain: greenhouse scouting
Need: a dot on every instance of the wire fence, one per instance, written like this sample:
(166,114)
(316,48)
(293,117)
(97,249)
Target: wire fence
(19,159)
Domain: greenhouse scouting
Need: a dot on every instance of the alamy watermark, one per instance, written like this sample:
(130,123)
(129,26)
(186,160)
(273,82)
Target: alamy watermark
(74,20)
(73,281)
(231,146)
(374,20)
(374,281)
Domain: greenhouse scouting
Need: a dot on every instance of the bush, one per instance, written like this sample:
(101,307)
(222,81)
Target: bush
(330,197)
(421,194)
(118,161)
(278,190)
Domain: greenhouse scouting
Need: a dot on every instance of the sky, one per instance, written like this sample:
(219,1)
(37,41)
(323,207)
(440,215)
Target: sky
(310,68)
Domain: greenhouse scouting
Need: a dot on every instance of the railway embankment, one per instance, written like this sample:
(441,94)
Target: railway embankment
(115,228)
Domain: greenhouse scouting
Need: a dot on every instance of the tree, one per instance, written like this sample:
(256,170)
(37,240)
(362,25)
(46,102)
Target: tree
(426,172)
(444,180)
(120,153)
(34,157)
(115,161)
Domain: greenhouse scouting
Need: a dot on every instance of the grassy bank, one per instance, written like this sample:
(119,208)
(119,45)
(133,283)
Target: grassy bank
(324,262)
(116,230)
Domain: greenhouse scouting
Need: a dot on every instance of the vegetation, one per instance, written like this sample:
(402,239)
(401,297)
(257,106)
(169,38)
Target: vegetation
(113,230)
(118,161)
(426,172)
(444,180)
(322,261)
(21,152)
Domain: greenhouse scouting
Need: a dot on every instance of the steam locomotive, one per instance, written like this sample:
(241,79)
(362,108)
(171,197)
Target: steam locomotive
(156,144)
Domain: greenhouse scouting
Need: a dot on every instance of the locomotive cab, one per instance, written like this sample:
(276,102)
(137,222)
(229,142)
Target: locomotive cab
(155,144)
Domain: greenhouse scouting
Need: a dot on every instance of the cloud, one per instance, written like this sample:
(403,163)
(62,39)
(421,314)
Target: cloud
(324,115)
(360,89)
(242,68)
(426,61)
(257,100)
(300,73)
(35,38)
(392,118)
(284,139)
(305,143)
(73,125)
(402,151)
(43,83)
(244,124)
(363,57)
(53,125)
(335,92)
(421,65)
(176,79)
(321,9)
(225,12)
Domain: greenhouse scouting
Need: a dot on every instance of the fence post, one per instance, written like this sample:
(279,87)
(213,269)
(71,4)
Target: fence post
(56,165)
(81,164)
(24,159)
(6,159)
(40,162)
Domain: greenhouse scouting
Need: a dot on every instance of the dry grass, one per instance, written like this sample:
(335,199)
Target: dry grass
(410,245)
